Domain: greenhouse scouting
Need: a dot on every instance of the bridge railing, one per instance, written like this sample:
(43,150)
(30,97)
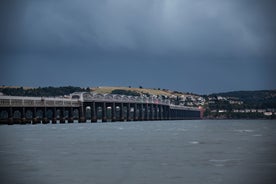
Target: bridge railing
(19,101)
(180,107)
(122,99)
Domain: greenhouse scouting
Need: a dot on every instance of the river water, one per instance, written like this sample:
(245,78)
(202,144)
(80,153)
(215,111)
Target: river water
(157,152)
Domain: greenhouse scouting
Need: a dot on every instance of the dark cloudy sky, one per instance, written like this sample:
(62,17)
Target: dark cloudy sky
(199,46)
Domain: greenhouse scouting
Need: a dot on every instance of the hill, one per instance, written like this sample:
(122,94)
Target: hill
(140,90)
(254,99)
(241,104)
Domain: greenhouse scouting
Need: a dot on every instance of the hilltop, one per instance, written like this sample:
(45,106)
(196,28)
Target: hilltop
(140,90)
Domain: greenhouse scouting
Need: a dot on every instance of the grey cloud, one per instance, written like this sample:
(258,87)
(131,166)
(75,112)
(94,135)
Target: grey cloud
(207,45)
(189,29)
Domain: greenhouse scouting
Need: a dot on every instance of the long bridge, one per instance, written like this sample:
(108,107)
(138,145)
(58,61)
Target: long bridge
(84,106)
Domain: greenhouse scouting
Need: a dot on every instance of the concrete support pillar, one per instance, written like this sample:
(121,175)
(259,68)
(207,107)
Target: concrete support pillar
(135,115)
(93,113)
(128,112)
(104,118)
(45,119)
(141,112)
(23,116)
(4,121)
(82,118)
(10,116)
(152,112)
(156,112)
(54,118)
(16,120)
(164,113)
(113,112)
(169,113)
(62,116)
(122,118)
(28,120)
(35,119)
(146,112)
(161,112)
(71,115)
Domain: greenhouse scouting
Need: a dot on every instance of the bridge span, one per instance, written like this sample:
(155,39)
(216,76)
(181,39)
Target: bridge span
(83,107)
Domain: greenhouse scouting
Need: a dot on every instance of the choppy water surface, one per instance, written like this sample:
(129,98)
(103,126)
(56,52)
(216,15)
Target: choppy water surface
(159,152)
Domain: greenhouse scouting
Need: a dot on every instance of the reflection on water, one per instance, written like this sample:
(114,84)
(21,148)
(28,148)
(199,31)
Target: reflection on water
(164,152)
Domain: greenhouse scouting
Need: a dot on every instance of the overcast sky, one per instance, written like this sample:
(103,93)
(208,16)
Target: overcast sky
(200,46)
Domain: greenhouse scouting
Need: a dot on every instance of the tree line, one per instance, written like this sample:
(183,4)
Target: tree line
(43,91)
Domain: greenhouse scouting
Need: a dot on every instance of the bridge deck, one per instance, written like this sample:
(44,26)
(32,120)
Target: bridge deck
(22,101)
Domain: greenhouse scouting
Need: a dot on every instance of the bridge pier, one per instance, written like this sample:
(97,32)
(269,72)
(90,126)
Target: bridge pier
(23,116)
(15,111)
(113,112)
(82,118)
(122,117)
(151,112)
(93,113)
(10,116)
(128,112)
(156,112)
(35,119)
(104,118)
(27,115)
(141,113)
(160,112)
(62,116)
(54,120)
(135,116)
(146,112)
(71,115)
(54,117)
(45,119)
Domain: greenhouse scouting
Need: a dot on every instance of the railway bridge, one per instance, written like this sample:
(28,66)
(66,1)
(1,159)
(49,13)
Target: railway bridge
(92,107)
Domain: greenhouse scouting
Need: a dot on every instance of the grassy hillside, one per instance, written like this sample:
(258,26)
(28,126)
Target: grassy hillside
(164,92)
(139,90)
